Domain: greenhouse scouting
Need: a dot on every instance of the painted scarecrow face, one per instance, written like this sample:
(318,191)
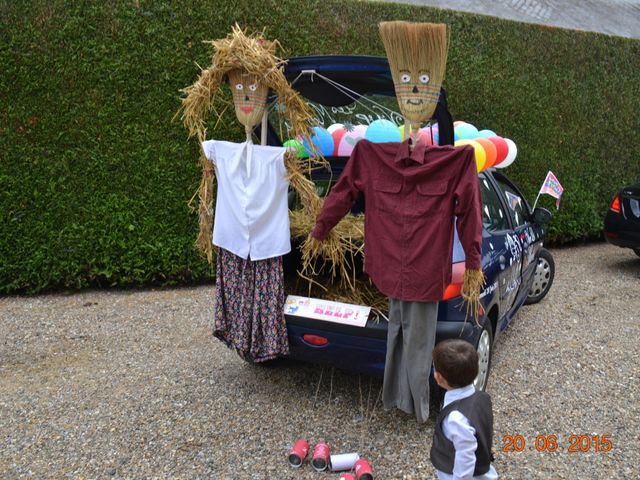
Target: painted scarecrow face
(416,93)
(249,97)
(417,54)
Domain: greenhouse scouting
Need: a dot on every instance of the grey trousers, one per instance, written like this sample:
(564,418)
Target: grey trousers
(410,341)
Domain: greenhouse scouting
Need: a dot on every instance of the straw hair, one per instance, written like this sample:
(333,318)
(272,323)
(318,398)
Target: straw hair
(254,56)
(416,48)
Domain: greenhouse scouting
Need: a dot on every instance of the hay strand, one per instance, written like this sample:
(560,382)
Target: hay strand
(472,284)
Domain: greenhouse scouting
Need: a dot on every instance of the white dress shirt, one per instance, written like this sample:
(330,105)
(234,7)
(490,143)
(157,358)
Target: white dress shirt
(457,429)
(252,215)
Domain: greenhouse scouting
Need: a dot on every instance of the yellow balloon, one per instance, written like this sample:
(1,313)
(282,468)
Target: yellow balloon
(401,129)
(480,154)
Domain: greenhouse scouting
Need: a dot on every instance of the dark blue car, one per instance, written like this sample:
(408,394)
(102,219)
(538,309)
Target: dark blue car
(517,267)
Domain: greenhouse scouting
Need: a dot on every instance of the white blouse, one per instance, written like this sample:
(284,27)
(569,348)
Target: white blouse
(252,215)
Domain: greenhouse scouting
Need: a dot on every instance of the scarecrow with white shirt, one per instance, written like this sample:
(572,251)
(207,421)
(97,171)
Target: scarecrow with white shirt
(251,226)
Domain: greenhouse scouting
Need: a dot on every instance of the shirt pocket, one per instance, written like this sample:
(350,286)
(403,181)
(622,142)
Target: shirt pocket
(387,195)
(431,198)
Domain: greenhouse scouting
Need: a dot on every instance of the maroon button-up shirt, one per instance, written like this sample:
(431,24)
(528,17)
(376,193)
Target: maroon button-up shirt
(411,199)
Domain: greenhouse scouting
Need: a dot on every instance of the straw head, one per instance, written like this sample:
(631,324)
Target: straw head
(417,54)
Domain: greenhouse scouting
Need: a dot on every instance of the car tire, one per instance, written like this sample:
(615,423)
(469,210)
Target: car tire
(542,277)
(484,347)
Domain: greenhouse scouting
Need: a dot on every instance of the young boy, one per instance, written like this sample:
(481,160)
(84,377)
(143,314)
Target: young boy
(463,432)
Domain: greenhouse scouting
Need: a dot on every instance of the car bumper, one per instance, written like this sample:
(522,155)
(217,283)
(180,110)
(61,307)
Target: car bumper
(617,231)
(359,349)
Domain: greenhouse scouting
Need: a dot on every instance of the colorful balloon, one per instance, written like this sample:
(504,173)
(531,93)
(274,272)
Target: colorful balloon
(332,128)
(502,149)
(480,154)
(380,131)
(465,131)
(490,150)
(349,140)
(323,141)
(401,130)
(337,135)
(429,135)
(297,146)
(511,156)
(425,135)
(486,133)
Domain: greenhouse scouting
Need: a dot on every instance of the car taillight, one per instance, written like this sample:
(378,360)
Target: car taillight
(452,291)
(316,340)
(454,288)
(615,205)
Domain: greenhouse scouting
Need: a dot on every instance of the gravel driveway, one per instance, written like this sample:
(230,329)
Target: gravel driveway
(130,384)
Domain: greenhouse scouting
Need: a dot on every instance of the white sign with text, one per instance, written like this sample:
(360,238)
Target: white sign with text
(327,310)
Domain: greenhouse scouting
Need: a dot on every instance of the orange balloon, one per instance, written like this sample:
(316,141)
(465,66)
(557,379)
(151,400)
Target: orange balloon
(490,150)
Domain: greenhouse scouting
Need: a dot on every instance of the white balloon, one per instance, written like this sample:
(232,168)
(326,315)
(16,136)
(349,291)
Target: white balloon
(511,155)
(334,127)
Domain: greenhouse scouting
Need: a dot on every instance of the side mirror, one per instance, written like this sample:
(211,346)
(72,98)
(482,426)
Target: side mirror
(541,216)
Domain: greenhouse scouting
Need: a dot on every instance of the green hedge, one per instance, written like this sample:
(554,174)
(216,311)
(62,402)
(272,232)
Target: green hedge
(96,173)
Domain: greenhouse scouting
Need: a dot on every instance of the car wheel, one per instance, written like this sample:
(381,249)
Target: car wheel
(542,277)
(484,348)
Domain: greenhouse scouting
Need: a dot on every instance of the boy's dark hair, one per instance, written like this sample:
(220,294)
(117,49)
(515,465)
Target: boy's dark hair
(457,361)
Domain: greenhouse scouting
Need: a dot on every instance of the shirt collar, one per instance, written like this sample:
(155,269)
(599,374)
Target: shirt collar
(458,394)
(417,155)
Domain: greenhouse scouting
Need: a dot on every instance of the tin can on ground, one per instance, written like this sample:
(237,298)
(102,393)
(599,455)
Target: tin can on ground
(347,476)
(343,461)
(320,460)
(363,470)
(298,453)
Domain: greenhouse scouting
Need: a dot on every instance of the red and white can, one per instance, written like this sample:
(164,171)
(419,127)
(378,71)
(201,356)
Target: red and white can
(363,470)
(298,453)
(347,476)
(320,459)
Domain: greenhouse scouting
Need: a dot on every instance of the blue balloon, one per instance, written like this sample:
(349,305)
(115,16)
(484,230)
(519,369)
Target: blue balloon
(381,131)
(465,131)
(435,131)
(486,133)
(323,141)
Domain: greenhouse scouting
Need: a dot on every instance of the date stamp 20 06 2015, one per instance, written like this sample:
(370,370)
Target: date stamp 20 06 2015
(582,443)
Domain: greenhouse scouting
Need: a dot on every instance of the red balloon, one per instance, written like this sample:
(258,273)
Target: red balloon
(425,135)
(490,150)
(337,136)
(502,148)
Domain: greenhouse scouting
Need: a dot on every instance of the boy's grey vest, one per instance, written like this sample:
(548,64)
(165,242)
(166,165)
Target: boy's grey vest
(477,408)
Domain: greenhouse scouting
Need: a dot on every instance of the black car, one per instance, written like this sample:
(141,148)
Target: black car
(622,222)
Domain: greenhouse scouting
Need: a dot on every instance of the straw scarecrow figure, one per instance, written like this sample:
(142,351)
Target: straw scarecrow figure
(251,227)
(413,193)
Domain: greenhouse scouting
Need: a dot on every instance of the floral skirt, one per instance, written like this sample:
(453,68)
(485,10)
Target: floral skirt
(249,313)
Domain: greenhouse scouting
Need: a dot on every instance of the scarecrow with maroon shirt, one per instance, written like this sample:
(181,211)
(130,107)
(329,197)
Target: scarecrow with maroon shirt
(413,193)
(251,227)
